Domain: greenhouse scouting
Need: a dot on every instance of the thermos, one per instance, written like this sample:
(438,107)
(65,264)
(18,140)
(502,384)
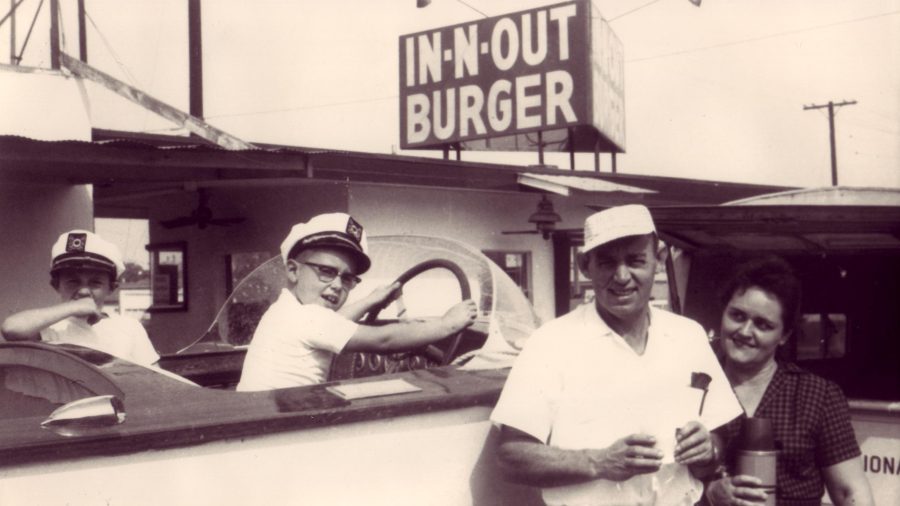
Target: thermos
(758,456)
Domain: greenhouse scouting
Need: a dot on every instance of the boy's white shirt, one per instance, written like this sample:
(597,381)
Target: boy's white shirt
(117,335)
(293,345)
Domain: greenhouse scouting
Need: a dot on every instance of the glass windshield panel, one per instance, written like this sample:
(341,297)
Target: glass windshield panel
(504,312)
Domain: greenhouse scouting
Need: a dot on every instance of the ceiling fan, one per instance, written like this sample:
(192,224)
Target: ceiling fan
(201,216)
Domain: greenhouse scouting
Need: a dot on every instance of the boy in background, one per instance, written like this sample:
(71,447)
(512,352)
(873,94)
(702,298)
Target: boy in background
(84,270)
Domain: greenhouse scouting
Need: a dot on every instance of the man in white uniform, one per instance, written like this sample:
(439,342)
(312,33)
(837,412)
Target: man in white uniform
(84,270)
(299,334)
(591,406)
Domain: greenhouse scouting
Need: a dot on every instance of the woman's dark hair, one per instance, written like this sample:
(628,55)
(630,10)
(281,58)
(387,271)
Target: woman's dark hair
(771,274)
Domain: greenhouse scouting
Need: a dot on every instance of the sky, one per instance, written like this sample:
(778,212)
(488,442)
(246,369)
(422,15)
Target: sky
(130,235)
(714,92)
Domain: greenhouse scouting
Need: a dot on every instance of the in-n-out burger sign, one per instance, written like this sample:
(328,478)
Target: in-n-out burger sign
(540,69)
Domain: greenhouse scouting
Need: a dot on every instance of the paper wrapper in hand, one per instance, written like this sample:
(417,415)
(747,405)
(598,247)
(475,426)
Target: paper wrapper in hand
(670,411)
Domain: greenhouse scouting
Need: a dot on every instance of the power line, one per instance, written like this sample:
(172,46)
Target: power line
(764,37)
(28,35)
(473,8)
(134,81)
(865,126)
(361,101)
(880,114)
(632,10)
(302,108)
(12,10)
(875,155)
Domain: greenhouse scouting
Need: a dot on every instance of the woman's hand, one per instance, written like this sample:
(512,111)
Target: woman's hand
(741,490)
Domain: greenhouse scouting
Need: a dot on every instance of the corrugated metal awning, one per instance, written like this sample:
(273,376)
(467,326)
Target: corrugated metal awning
(117,159)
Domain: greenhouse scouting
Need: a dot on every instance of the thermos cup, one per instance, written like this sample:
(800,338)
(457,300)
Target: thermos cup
(758,456)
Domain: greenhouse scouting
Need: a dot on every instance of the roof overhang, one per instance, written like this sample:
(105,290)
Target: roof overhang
(785,228)
(116,159)
(567,185)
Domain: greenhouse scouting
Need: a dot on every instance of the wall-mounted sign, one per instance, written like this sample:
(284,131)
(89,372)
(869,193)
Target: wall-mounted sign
(557,70)
(879,440)
(168,276)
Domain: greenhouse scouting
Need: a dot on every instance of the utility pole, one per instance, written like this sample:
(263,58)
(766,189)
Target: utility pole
(82,33)
(12,32)
(195,59)
(831,106)
(54,34)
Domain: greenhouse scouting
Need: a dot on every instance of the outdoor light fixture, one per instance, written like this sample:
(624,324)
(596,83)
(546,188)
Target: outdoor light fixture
(545,218)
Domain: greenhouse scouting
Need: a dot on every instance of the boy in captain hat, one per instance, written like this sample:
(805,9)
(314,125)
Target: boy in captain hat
(298,335)
(84,270)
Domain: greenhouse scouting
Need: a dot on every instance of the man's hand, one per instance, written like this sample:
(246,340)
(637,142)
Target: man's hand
(460,316)
(630,456)
(526,460)
(735,491)
(694,445)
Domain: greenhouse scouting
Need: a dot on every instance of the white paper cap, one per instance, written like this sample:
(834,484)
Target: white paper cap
(615,223)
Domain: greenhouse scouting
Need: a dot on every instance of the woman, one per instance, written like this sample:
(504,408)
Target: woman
(809,414)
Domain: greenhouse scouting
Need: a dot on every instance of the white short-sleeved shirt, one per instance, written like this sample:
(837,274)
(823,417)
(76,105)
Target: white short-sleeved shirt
(293,345)
(578,385)
(117,335)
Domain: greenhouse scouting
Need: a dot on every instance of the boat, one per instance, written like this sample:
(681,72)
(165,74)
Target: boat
(78,426)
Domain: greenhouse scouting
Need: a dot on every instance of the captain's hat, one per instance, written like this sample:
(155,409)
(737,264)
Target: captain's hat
(82,249)
(338,230)
(615,223)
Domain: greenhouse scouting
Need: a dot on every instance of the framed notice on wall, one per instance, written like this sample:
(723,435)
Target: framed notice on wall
(168,276)
(516,264)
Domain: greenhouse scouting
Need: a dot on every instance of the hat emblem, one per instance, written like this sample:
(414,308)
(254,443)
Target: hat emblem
(354,229)
(76,242)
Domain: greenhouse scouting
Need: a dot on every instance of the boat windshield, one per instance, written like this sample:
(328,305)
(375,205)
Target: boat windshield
(505,314)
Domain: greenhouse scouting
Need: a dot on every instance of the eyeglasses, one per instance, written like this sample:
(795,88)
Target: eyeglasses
(327,273)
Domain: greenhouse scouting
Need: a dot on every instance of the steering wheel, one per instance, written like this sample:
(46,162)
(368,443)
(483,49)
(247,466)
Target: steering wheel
(362,364)
(443,351)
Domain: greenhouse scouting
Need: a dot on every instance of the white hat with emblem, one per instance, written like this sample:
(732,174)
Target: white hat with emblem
(82,249)
(338,230)
(615,223)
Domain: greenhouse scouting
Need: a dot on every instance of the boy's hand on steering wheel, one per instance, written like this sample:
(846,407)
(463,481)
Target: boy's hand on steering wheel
(384,295)
(461,315)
